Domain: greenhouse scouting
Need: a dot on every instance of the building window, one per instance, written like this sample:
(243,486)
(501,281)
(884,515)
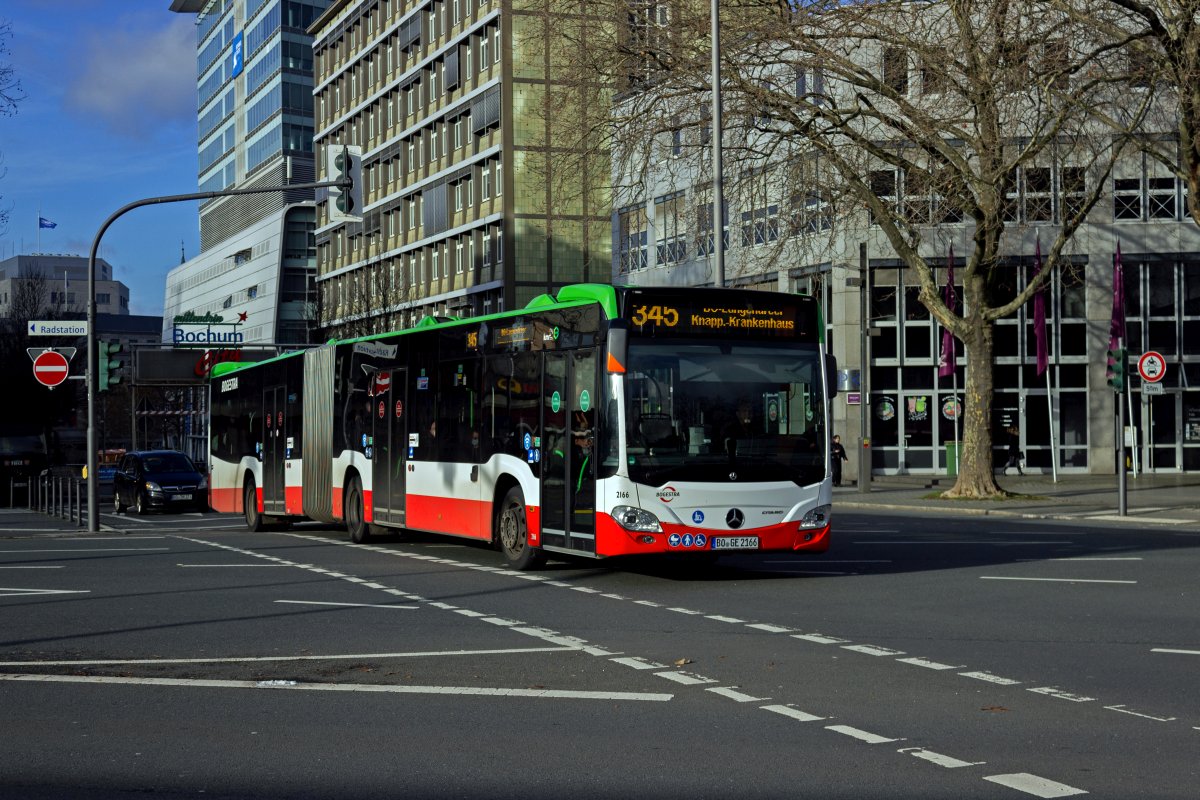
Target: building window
(895,69)
(760,226)
(668,218)
(458,257)
(633,238)
(252,292)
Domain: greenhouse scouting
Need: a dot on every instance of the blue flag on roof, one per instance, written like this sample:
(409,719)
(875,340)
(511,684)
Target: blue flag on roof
(45,223)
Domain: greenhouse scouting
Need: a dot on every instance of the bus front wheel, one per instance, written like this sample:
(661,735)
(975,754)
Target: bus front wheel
(512,533)
(356,525)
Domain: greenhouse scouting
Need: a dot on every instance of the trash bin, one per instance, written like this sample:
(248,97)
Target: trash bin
(952,449)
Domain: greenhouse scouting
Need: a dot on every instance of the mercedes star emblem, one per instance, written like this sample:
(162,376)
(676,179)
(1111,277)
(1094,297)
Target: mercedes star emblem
(735,518)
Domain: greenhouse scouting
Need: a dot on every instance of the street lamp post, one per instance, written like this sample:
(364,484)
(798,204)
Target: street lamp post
(864,372)
(718,213)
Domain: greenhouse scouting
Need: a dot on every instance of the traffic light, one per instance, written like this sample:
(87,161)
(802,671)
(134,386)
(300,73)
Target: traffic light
(345,165)
(1117,369)
(109,365)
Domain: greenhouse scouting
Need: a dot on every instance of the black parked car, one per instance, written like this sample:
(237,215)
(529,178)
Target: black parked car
(159,479)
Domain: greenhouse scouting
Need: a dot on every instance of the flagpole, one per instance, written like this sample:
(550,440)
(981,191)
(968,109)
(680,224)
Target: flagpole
(1053,435)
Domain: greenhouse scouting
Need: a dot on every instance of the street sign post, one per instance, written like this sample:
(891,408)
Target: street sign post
(50,368)
(56,327)
(1152,367)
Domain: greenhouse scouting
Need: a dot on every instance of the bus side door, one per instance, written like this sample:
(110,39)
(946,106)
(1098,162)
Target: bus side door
(389,458)
(274,408)
(568,468)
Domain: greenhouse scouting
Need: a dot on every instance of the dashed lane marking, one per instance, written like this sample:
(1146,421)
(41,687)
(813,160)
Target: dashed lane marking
(990,678)
(1177,652)
(861,735)
(922,662)
(733,694)
(1123,710)
(937,758)
(477,691)
(1032,784)
(344,605)
(33,592)
(686,678)
(1047,580)
(794,713)
(872,650)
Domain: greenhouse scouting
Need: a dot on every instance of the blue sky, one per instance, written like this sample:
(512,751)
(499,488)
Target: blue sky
(109,117)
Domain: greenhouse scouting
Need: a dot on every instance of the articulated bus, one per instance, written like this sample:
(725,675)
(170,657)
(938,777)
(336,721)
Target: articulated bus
(605,421)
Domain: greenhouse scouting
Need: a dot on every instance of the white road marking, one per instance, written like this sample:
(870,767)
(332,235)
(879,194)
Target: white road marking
(585,589)
(990,678)
(443,606)
(719,618)
(346,605)
(222,566)
(1032,784)
(25,592)
(817,572)
(957,542)
(819,638)
(939,759)
(762,626)
(921,662)
(94,550)
(501,621)
(732,693)
(350,687)
(686,678)
(466,612)
(1177,652)
(1123,710)
(1085,558)
(872,650)
(638,663)
(685,611)
(1054,691)
(861,735)
(1047,580)
(649,603)
(794,713)
(59,567)
(267,659)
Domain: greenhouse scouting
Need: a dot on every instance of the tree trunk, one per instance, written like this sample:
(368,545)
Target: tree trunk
(976,473)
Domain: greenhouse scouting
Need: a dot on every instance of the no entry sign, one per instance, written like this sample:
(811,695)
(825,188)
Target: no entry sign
(50,368)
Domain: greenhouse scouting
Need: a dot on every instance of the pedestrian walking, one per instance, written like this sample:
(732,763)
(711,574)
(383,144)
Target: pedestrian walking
(838,454)
(1014,449)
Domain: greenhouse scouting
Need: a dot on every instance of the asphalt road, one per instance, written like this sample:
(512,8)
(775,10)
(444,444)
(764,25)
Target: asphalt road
(924,657)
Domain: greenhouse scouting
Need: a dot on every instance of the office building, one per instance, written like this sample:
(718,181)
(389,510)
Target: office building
(51,281)
(467,207)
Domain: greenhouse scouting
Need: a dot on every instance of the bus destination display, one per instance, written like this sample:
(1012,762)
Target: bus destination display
(730,314)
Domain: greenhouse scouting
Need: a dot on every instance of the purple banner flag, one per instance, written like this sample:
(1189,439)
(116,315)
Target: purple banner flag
(1039,313)
(947,361)
(1116,329)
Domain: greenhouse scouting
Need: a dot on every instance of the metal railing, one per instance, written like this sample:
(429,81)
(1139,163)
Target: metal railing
(59,496)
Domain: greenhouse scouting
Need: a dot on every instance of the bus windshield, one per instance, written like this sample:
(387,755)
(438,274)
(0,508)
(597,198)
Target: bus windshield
(724,412)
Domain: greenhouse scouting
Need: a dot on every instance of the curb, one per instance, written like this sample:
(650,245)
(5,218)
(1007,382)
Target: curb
(1105,518)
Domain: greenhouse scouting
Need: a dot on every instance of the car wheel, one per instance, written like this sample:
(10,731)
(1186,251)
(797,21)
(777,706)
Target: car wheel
(512,533)
(142,504)
(358,529)
(118,506)
(254,520)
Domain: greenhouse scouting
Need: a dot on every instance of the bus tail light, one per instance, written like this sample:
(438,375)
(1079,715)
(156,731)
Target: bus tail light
(636,519)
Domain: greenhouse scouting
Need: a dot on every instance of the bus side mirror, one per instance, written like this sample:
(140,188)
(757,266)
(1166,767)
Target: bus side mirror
(831,375)
(618,348)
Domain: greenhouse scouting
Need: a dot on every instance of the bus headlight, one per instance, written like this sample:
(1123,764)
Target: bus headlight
(636,519)
(817,518)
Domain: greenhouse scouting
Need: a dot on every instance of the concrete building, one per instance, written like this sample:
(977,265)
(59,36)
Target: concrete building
(60,281)
(784,235)
(255,128)
(464,212)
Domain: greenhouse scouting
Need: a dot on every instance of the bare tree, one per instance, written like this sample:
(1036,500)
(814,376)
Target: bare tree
(908,125)
(10,95)
(1157,44)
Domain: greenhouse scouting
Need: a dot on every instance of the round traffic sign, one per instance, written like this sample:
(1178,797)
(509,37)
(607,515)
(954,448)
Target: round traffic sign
(50,368)
(1152,367)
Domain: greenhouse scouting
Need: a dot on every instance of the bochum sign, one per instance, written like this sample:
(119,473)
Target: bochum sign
(189,336)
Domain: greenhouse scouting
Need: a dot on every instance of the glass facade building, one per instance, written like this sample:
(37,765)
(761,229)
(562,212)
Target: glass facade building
(254,129)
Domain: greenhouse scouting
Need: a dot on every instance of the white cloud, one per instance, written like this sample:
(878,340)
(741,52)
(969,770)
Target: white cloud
(139,76)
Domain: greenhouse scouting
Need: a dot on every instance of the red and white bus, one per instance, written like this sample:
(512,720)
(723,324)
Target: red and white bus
(605,421)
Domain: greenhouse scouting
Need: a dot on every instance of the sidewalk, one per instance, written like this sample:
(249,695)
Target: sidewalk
(21,521)
(1170,499)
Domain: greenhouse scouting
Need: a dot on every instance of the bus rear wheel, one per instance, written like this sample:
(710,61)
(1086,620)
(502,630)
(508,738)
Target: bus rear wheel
(254,520)
(352,512)
(512,533)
